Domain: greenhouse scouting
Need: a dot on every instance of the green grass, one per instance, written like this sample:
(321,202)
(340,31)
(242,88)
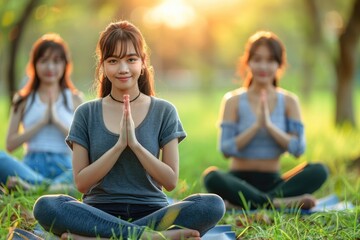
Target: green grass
(336,147)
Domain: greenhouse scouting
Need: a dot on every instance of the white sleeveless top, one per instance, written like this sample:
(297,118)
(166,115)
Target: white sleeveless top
(49,138)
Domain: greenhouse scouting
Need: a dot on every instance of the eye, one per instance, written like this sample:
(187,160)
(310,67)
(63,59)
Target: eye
(111,60)
(58,60)
(133,59)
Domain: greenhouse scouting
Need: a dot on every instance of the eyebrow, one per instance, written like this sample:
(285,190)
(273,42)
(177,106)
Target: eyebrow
(126,55)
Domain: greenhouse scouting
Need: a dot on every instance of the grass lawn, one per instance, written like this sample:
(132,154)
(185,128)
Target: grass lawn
(336,147)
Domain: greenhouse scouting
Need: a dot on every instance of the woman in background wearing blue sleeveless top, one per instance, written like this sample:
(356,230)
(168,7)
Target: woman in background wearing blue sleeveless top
(259,123)
(125,151)
(40,118)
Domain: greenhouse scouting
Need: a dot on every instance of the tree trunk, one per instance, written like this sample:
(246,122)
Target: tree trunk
(346,68)
(15,37)
(314,42)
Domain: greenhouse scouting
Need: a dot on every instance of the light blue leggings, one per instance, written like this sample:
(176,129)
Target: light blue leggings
(62,213)
(37,168)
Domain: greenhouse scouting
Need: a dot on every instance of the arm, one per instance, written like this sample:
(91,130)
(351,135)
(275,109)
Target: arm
(231,141)
(15,138)
(82,168)
(86,175)
(165,172)
(292,140)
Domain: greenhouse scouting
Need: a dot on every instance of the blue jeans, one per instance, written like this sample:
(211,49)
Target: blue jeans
(62,213)
(37,168)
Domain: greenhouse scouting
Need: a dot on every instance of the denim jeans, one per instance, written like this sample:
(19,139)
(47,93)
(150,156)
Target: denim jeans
(37,168)
(62,213)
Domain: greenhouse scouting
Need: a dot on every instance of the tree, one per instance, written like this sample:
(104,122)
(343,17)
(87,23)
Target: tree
(345,67)
(16,33)
(344,61)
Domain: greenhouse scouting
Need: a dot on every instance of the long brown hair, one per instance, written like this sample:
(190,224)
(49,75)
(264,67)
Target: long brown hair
(123,32)
(52,42)
(276,48)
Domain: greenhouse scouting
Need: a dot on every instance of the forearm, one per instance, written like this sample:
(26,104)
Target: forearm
(15,140)
(158,170)
(242,139)
(94,172)
(281,137)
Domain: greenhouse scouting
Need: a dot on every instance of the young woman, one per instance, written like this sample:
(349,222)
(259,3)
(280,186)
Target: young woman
(125,150)
(260,122)
(40,118)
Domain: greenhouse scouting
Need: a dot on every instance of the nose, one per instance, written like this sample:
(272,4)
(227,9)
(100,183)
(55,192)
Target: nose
(50,65)
(123,67)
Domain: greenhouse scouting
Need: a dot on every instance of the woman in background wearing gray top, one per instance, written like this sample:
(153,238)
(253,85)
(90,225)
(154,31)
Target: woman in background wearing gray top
(125,150)
(259,123)
(41,115)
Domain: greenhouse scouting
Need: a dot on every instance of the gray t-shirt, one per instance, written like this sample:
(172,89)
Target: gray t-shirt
(127,181)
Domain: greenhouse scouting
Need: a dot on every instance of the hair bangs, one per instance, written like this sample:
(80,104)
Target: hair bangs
(117,45)
(52,47)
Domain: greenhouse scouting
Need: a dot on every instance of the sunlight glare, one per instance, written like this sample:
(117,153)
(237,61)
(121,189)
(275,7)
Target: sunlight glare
(173,13)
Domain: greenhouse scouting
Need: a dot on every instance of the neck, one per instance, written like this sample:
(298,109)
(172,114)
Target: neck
(121,101)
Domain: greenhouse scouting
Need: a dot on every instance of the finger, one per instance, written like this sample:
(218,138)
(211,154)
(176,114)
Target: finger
(126,101)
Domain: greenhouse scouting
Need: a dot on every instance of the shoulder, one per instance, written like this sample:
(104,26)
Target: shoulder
(232,98)
(290,98)
(78,98)
(292,104)
(88,106)
(163,104)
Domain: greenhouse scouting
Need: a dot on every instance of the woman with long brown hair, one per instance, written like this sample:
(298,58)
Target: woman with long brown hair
(125,151)
(260,122)
(41,115)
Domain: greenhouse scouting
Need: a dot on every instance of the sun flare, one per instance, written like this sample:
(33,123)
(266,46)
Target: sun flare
(172,13)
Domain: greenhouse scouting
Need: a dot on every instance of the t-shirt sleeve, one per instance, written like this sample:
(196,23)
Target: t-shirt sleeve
(171,127)
(78,132)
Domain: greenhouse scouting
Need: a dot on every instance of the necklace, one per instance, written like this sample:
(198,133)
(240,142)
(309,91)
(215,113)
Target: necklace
(116,100)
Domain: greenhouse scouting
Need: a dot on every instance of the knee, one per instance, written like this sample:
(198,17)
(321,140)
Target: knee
(213,205)
(320,171)
(41,209)
(46,208)
(212,178)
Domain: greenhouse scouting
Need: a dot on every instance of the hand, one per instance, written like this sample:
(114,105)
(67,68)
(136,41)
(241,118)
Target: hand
(49,111)
(127,131)
(263,115)
(265,109)
(130,126)
(54,116)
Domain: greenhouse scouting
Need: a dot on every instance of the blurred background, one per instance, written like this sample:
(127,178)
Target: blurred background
(195,44)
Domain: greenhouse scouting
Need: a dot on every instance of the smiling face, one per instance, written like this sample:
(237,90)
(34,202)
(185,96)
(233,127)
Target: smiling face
(123,68)
(50,67)
(263,65)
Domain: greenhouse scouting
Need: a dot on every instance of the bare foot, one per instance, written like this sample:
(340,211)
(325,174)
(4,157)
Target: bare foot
(177,234)
(14,182)
(305,201)
(68,236)
(230,206)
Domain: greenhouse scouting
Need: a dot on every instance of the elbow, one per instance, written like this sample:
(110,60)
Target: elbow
(10,148)
(296,147)
(171,185)
(81,187)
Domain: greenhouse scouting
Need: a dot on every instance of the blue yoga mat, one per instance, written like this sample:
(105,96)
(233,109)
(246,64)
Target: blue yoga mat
(219,232)
(325,204)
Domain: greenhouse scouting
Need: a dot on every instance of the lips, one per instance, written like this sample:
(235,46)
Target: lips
(123,79)
(262,74)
